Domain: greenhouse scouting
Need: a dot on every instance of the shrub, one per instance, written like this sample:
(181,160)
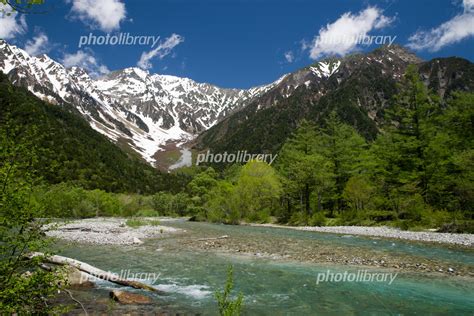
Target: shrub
(227,306)
(298,218)
(318,219)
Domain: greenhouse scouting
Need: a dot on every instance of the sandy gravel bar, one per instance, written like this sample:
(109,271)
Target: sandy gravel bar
(111,231)
(388,232)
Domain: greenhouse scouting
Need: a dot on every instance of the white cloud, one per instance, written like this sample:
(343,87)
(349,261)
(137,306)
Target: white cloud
(103,14)
(86,60)
(468,5)
(450,32)
(11,25)
(340,37)
(39,45)
(161,51)
(289,56)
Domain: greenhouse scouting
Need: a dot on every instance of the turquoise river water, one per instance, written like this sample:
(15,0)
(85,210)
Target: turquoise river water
(279,287)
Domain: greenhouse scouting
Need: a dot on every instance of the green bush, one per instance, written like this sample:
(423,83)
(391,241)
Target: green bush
(227,306)
(466,227)
(63,200)
(298,219)
(318,219)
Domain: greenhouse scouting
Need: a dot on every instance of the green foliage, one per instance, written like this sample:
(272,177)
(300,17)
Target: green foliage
(227,306)
(63,200)
(304,169)
(168,204)
(257,191)
(316,164)
(418,173)
(424,158)
(317,219)
(358,192)
(25,289)
(222,204)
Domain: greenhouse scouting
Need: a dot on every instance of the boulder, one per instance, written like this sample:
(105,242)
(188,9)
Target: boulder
(129,298)
(137,241)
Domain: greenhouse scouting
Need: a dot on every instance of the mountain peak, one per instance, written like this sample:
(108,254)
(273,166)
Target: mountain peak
(142,74)
(399,51)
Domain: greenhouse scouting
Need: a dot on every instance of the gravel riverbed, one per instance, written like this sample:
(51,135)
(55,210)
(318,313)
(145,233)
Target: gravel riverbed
(111,231)
(387,232)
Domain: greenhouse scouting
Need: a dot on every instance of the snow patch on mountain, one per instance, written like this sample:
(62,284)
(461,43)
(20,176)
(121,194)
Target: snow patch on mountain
(325,69)
(130,105)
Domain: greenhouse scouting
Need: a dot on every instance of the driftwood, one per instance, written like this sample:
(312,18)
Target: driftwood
(214,238)
(96,272)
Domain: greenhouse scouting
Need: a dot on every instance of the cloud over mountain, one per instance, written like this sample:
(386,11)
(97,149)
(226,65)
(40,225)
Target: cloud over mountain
(340,37)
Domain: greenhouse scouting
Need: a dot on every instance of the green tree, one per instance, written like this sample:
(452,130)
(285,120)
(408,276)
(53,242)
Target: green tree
(408,152)
(346,151)
(199,188)
(24,288)
(257,190)
(358,192)
(452,178)
(222,205)
(303,169)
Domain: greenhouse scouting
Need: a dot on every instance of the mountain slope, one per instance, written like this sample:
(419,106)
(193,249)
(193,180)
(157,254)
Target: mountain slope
(358,88)
(70,150)
(129,106)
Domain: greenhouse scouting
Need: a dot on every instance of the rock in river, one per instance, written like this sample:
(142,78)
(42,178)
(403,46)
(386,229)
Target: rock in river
(129,298)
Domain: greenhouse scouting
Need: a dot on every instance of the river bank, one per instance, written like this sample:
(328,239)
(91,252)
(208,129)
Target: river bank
(308,246)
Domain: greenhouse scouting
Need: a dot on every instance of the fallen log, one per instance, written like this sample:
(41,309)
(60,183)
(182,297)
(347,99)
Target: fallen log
(95,272)
(214,238)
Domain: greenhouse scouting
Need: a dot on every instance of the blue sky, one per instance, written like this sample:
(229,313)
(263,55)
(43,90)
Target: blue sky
(237,43)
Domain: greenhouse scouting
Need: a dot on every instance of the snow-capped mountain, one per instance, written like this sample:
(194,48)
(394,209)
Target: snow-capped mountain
(131,105)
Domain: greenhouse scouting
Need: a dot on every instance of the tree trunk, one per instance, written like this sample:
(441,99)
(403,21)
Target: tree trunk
(96,272)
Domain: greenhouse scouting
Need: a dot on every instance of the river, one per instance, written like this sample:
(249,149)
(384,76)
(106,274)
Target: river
(279,286)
